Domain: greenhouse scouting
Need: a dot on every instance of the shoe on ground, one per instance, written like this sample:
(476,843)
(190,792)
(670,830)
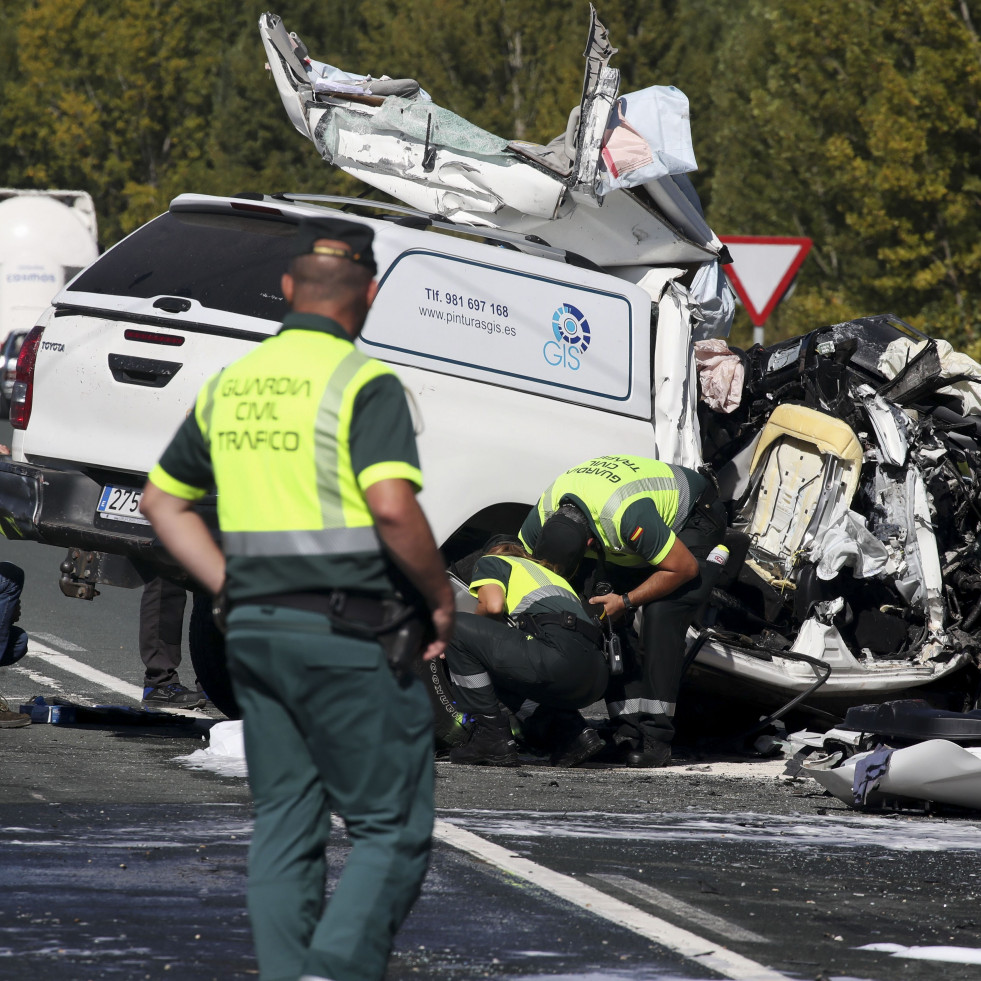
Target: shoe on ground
(652,755)
(491,744)
(583,746)
(174,696)
(10,719)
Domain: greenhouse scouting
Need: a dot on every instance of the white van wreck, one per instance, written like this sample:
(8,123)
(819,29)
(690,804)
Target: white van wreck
(836,479)
(563,293)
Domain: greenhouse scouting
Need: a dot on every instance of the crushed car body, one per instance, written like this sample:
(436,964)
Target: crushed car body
(851,465)
(849,457)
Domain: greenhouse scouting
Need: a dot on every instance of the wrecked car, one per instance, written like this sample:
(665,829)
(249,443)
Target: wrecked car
(851,467)
(848,457)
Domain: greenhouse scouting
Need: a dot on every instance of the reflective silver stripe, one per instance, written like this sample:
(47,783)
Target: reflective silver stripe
(536,594)
(481,680)
(548,508)
(527,709)
(318,541)
(326,439)
(684,497)
(645,485)
(545,586)
(640,706)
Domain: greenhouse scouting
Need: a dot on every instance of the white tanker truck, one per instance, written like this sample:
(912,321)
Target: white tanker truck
(46,237)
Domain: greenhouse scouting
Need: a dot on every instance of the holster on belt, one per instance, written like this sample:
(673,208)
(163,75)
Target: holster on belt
(402,628)
(534,624)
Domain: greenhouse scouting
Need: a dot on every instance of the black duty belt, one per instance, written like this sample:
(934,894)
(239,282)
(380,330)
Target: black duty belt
(397,626)
(569,621)
(372,611)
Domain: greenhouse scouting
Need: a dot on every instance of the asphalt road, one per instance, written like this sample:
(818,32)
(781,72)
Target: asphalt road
(118,861)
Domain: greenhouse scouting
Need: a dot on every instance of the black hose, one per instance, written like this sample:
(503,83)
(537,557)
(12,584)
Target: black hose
(704,635)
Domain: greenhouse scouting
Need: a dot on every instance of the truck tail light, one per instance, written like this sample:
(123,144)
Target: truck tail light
(22,397)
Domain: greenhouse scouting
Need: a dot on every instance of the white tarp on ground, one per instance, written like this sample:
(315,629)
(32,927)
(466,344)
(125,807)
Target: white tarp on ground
(934,770)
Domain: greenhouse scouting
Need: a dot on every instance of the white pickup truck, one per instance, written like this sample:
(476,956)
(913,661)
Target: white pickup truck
(538,315)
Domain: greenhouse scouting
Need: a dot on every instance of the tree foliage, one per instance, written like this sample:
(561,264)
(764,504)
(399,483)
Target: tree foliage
(853,122)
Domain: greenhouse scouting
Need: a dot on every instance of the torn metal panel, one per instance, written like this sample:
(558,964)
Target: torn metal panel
(441,164)
(675,392)
(890,425)
(937,771)
(433,160)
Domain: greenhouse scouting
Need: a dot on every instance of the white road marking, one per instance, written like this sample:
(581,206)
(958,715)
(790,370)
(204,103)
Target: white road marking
(69,664)
(692,913)
(59,642)
(36,677)
(703,952)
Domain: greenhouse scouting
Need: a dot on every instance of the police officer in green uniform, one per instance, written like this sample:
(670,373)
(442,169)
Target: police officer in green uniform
(643,513)
(310,445)
(545,670)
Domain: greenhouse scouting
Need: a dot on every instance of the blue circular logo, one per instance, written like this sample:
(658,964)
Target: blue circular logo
(570,327)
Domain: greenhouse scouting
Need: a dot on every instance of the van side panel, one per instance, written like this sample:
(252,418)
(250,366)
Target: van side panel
(559,331)
(482,445)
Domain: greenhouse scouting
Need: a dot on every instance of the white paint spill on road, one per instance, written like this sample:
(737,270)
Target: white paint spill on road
(699,917)
(847,831)
(951,955)
(36,677)
(703,952)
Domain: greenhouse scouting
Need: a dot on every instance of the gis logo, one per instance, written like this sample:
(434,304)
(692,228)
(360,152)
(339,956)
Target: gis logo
(571,330)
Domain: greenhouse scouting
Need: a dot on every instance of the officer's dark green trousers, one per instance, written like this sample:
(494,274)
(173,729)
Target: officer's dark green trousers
(328,728)
(490,660)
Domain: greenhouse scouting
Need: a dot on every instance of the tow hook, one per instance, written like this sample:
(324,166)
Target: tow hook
(78,574)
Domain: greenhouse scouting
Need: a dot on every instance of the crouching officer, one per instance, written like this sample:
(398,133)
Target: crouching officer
(311,447)
(545,670)
(643,513)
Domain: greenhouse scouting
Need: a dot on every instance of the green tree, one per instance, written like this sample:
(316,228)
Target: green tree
(855,122)
(146,99)
(512,67)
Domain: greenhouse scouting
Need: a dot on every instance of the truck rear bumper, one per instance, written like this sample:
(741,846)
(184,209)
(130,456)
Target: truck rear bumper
(58,507)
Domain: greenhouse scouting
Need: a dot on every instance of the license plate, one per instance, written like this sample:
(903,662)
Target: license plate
(121,504)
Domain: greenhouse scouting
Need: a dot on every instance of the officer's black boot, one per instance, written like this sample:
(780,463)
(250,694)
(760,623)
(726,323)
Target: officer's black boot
(491,743)
(573,740)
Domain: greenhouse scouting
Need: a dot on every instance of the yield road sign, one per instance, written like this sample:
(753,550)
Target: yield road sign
(762,269)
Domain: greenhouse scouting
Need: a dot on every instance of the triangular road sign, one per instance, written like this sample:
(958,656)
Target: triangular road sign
(762,270)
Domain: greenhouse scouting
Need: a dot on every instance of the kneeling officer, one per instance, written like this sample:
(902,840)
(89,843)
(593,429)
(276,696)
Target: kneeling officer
(545,670)
(654,526)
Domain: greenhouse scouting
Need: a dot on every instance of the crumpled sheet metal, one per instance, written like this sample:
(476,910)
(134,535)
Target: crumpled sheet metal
(433,178)
(846,542)
(900,557)
(935,770)
(952,363)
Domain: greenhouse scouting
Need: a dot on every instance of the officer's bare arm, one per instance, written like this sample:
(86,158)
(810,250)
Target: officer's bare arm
(673,571)
(490,601)
(185,536)
(406,535)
